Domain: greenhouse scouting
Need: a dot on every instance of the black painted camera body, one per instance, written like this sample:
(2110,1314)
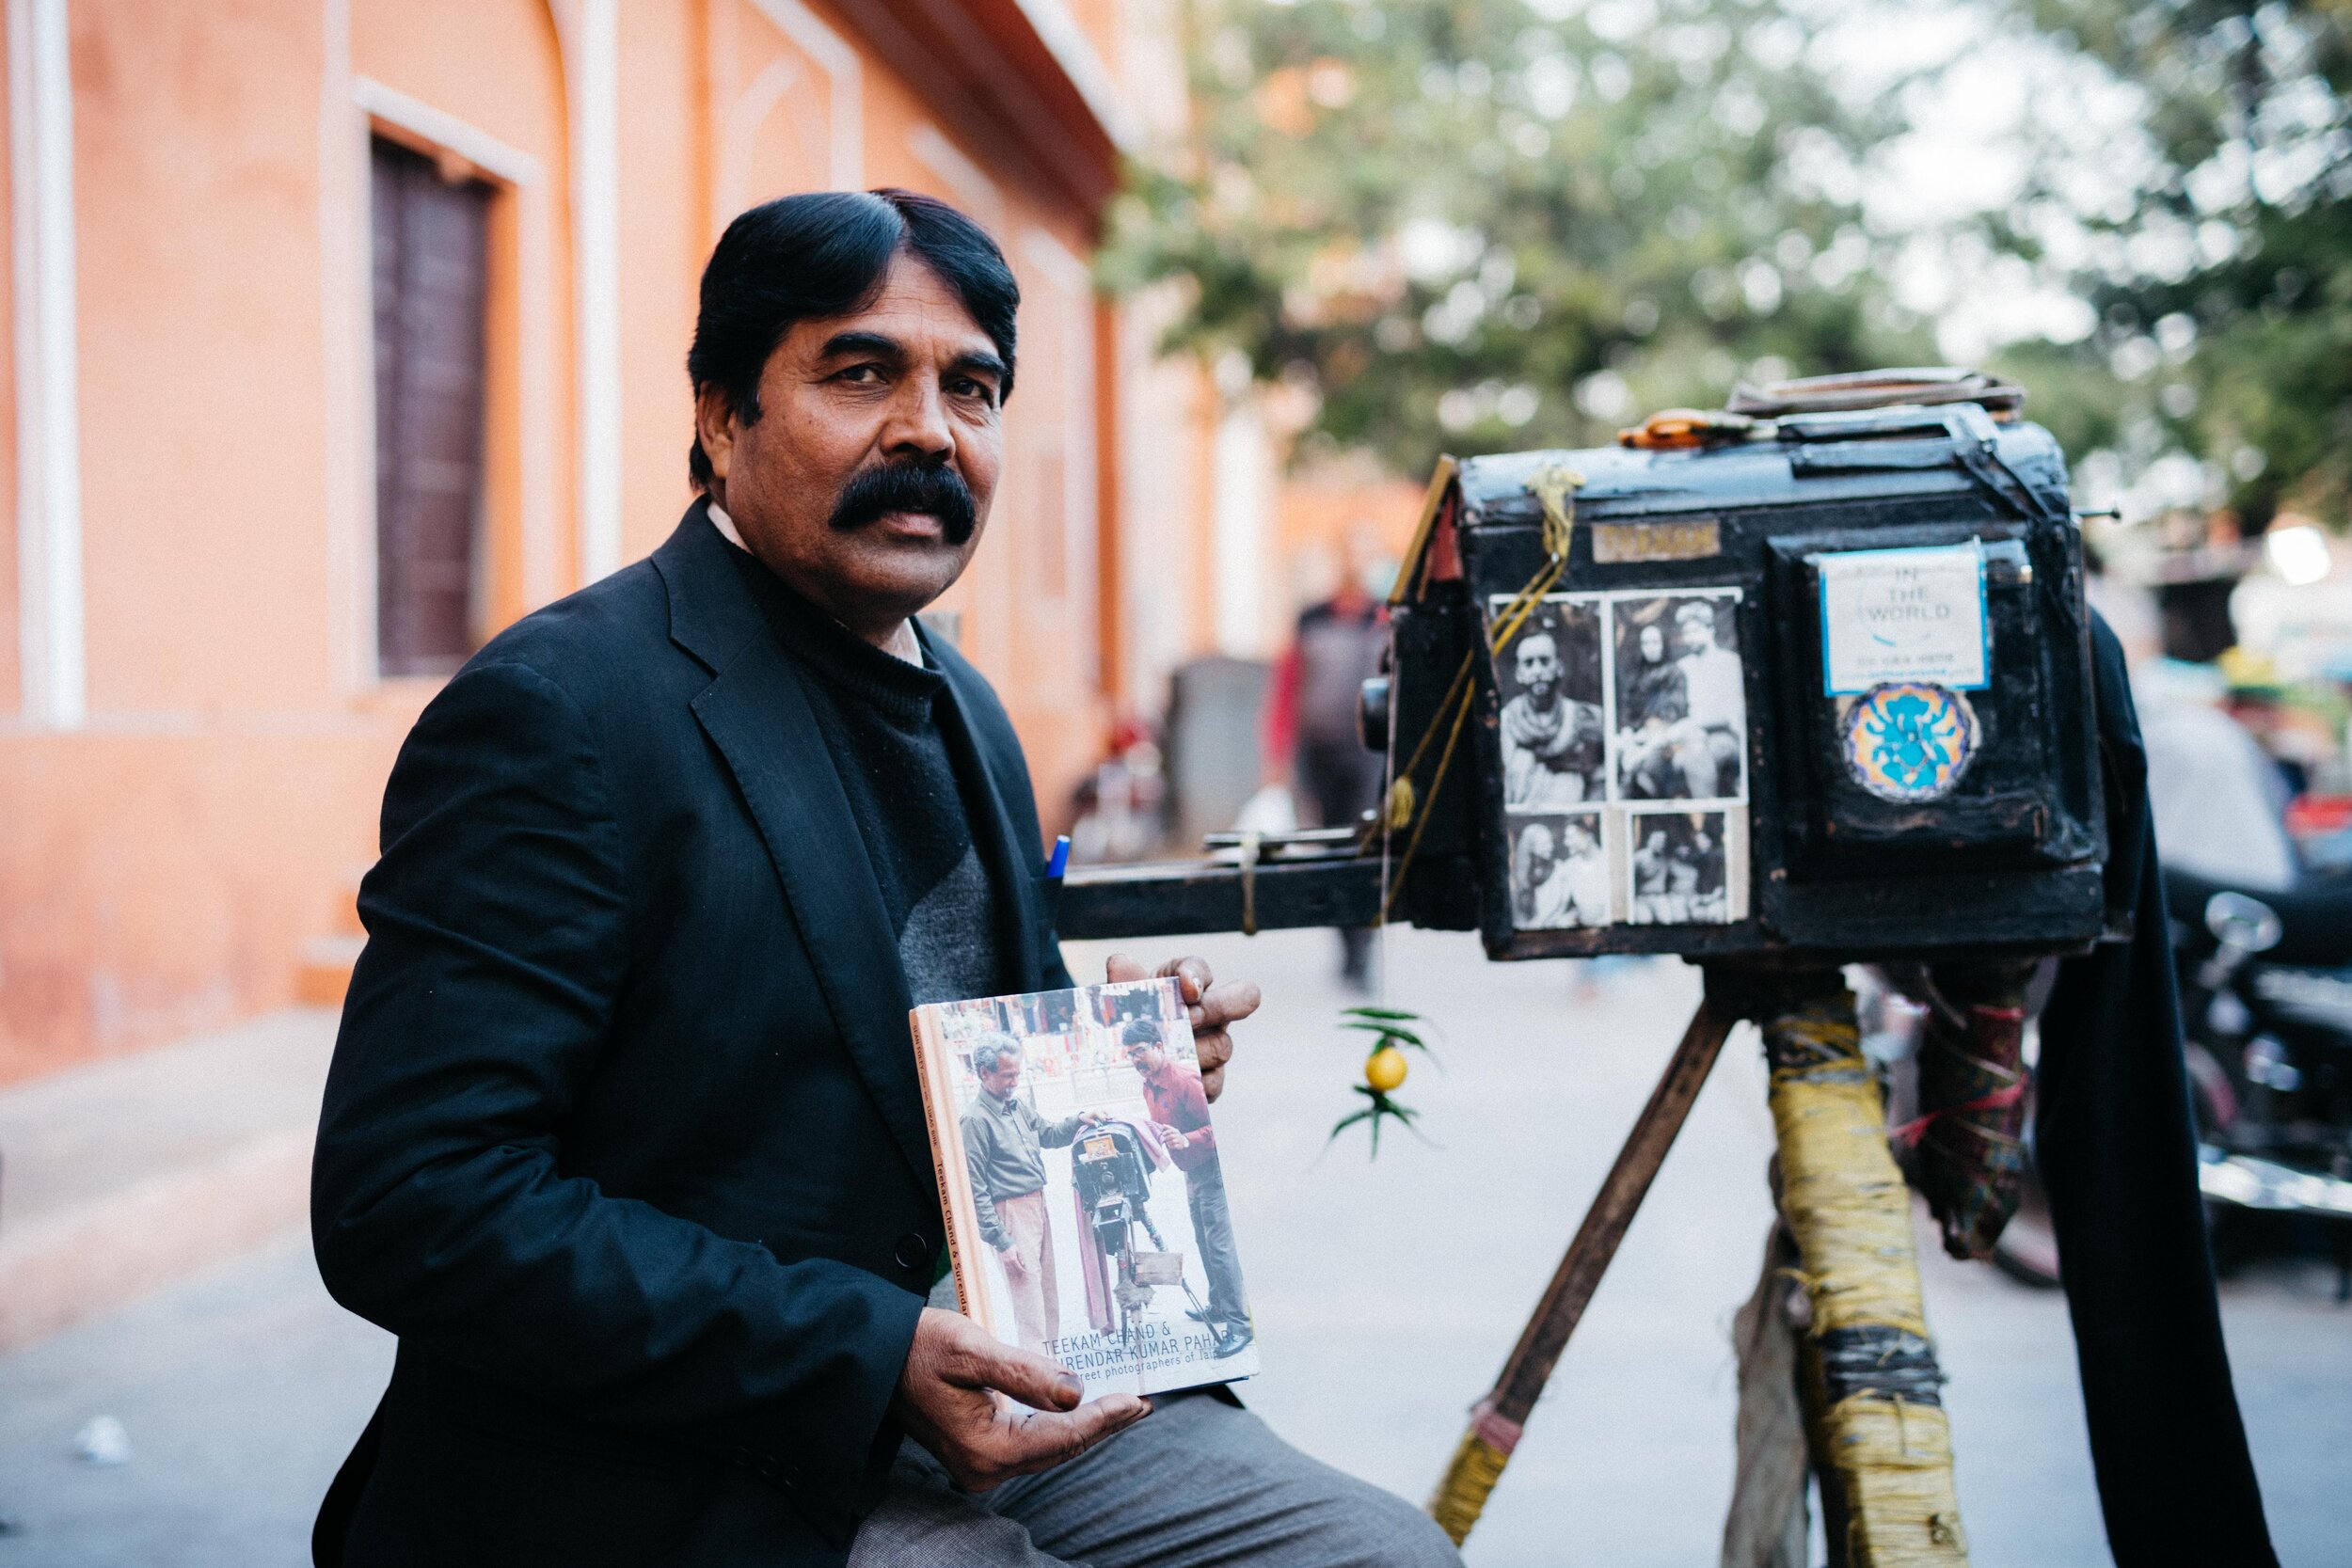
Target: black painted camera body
(1824,689)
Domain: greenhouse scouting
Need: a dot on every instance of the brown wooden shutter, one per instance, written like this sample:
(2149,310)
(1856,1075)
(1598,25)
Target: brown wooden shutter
(431,241)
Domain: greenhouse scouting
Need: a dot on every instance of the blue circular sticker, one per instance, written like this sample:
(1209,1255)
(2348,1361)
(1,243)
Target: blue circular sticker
(1909,740)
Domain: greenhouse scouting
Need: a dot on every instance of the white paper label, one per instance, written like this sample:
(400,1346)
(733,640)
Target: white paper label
(1903,615)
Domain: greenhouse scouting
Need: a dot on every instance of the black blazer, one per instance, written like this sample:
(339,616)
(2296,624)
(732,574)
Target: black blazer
(623,1137)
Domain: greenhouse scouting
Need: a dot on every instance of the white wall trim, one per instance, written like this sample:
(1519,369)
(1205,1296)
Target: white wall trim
(494,157)
(1070,278)
(592,79)
(535,299)
(1074,52)
(838,59)
(51,605)
(964,180)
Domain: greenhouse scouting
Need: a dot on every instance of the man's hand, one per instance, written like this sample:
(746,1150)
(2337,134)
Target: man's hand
(1014,1267)
(1091,1118)
(952,1398)
(1213,1008)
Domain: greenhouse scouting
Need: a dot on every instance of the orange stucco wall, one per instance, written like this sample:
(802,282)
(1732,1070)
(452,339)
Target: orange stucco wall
(162,868)
(196,219)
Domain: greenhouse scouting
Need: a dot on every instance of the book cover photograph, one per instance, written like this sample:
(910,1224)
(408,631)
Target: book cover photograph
(1079,1173)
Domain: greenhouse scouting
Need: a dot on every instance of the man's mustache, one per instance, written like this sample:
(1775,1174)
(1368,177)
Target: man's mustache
(939,491)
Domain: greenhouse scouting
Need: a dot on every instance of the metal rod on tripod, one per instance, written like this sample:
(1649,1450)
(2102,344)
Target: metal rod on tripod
(1496,1420)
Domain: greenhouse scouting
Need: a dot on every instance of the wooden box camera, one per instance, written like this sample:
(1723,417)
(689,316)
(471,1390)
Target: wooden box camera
(1822,689)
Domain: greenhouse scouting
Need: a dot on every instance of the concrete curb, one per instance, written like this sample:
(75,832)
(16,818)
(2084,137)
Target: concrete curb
(128,1174)
(62,1268)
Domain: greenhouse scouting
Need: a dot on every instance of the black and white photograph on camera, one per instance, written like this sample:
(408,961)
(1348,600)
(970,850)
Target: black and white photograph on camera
(1554,728)
(1681,697)
(1680,869)
(1559,871)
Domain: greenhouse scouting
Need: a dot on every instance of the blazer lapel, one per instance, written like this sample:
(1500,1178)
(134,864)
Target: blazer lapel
(757,713)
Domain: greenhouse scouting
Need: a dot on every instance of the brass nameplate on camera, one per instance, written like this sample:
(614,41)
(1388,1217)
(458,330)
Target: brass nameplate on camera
(1690,539)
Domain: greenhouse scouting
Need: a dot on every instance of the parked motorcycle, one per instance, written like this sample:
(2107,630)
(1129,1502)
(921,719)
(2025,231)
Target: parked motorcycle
(2267,1006)
(2267,1017)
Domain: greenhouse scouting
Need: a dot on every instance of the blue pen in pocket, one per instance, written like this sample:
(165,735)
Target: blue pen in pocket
(1049,886)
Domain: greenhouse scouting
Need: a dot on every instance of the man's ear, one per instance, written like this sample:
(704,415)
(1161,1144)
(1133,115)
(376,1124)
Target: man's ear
(714,426)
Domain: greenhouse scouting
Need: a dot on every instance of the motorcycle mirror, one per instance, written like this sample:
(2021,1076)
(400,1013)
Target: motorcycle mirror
(2246,923)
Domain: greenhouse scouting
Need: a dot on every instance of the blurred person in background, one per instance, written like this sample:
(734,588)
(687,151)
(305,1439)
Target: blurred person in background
(1310,714)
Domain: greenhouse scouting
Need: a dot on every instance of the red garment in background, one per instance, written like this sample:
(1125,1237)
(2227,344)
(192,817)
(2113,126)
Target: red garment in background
(1280,720)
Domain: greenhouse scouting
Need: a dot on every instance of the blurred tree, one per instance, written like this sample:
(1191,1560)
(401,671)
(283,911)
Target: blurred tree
(1472,225)
(2223,283)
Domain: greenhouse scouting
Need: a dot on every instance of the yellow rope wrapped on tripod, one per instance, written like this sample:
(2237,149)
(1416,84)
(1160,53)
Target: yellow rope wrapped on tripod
(1461,1495)
(1850,1214)
(1895,1459)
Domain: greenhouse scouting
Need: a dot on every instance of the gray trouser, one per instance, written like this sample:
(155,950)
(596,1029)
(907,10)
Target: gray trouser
(1213,1232)
(1198,1482)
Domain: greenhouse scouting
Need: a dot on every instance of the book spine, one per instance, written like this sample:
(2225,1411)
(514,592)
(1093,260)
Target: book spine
(956,1212)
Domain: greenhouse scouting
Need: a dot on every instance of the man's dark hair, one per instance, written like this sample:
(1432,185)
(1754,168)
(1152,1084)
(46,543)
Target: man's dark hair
(824,254)
(1142,1031)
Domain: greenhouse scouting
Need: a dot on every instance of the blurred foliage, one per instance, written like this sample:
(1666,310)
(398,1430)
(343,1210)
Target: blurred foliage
(1481,225)
(2224,291)
(1472,225)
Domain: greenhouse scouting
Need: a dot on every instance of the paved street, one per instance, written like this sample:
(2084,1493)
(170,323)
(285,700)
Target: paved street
(1386,1295)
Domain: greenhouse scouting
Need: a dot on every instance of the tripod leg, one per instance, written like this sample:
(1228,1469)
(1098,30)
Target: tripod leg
(1880,1436)
(1496,1420)
(1153,1231)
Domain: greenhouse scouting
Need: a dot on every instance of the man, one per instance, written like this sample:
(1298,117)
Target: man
(1310,718)
(1004,1145)
(623,1137)
(1714,733)
(1551,742)
(1180,1113)
(1695,878)
(1654,904)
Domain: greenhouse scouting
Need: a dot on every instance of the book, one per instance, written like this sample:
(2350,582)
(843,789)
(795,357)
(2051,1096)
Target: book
(1081,1182)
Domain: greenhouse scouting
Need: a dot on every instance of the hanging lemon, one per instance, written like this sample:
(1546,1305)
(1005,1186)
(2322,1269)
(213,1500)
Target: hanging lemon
(1393,1033)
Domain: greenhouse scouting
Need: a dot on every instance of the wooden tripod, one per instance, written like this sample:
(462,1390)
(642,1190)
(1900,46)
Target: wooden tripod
(1875,1421)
